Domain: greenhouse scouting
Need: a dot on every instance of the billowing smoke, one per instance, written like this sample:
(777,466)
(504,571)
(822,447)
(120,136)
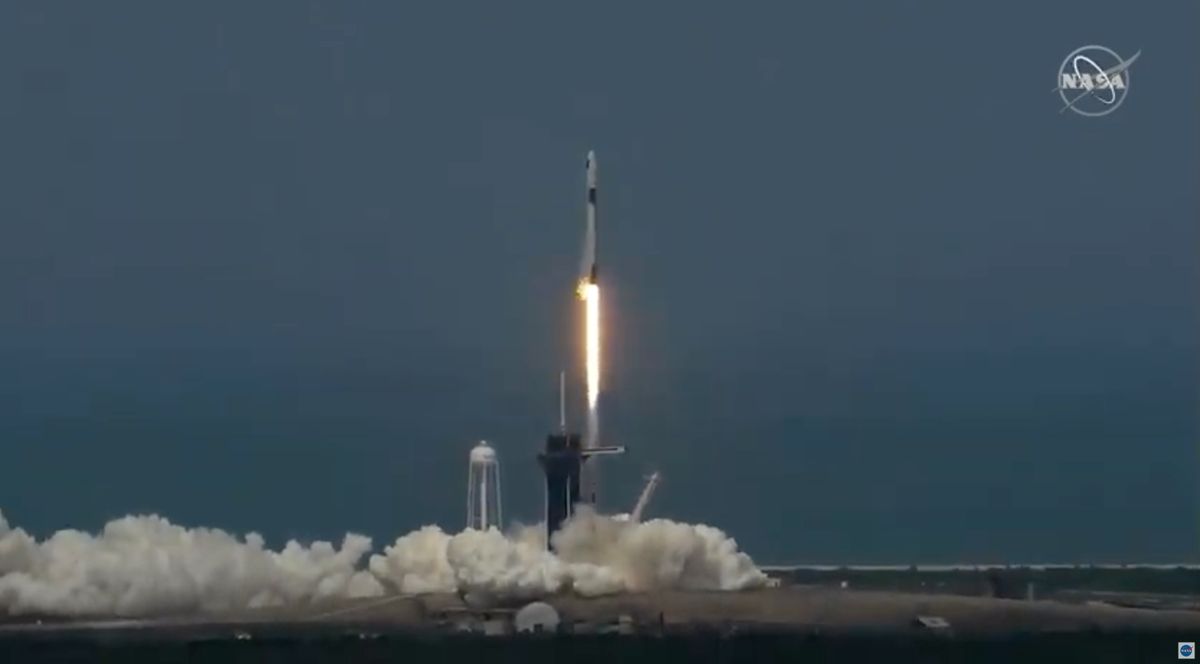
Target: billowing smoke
(596,555)
(145,565)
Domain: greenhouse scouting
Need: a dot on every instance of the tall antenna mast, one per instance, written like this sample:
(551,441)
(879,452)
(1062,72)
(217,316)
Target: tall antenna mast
(562,401)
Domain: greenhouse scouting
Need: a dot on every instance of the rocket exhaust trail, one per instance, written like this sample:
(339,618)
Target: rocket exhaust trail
(591,300)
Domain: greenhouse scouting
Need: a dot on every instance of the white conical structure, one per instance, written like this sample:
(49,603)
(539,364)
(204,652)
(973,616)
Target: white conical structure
(483,488)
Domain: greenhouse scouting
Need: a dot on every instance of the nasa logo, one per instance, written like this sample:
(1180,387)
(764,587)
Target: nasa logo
(1093,80)
(1187,650)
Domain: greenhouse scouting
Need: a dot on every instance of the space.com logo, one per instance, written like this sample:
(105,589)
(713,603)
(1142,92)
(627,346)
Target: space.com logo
(1187,650)
(1093,80)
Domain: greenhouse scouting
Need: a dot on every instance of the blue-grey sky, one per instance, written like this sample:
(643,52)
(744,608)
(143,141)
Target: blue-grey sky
(870,296)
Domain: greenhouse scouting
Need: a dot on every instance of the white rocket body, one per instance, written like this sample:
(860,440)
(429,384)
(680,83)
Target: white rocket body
(588,270)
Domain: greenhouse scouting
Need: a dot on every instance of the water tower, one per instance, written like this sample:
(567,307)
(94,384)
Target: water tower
(483,488)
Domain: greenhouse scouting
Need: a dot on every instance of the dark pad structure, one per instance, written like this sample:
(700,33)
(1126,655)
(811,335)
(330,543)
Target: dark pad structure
(562,461)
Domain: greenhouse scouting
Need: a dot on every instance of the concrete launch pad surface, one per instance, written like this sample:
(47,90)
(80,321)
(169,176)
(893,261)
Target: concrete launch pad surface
(812,610)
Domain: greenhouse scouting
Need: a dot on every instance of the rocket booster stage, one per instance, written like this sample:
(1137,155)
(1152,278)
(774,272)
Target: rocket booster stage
(588,271)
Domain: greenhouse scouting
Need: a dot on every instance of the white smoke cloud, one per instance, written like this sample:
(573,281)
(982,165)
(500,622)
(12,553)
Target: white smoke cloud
(145,565)
(595,555)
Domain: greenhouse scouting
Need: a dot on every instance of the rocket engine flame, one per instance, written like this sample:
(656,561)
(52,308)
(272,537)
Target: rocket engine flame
(589,292)
(591,299)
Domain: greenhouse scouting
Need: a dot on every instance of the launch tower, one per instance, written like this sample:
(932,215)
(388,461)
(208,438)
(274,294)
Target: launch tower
(563,461)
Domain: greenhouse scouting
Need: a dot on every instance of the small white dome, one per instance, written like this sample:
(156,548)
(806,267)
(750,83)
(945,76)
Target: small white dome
(483,453)
(536,617)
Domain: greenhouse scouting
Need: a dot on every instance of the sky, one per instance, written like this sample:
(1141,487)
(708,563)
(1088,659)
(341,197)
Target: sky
(870,297)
